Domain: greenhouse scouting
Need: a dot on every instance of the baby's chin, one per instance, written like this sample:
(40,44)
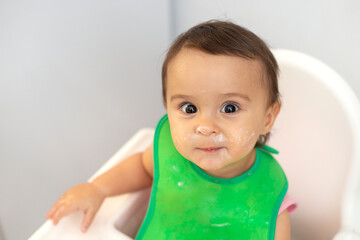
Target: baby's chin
(209,164)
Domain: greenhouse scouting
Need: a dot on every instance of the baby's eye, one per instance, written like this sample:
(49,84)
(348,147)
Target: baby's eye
(188,108)
(230,108)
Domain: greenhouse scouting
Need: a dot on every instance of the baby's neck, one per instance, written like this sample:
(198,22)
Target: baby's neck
(235,169)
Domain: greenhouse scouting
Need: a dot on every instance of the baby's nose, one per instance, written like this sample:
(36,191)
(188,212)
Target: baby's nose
(206,124)
(206,130)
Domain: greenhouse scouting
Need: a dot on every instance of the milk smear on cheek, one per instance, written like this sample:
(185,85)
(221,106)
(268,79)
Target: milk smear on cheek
(240,139)
(241,136)
(215,140)
(244,137)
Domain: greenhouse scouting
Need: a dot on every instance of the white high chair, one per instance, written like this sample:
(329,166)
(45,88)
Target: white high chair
(318,136)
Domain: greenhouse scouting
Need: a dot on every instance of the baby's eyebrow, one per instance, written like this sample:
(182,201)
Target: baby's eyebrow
(179,96)
(240,95)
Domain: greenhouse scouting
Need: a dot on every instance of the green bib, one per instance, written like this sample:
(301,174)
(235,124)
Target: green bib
(187,203)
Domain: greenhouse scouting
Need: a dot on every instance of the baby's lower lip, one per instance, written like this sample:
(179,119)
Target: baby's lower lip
(210,149)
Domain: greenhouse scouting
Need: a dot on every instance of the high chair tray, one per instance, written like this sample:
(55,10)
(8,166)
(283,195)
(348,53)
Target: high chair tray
(118,218)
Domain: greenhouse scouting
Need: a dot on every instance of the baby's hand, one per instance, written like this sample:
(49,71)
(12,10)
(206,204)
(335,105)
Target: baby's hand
(85,197)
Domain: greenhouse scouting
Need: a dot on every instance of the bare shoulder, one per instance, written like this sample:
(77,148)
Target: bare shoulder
(148,160)
(282,231)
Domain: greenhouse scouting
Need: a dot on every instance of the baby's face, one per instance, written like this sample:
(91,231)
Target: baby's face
(217,108)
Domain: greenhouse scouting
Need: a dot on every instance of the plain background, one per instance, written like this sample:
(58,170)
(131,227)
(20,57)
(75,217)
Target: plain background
(79,78)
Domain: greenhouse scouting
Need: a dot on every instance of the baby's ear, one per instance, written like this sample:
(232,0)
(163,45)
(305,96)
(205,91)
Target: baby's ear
(270,117)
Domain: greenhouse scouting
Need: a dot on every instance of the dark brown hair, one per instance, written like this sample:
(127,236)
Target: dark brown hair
(226,38)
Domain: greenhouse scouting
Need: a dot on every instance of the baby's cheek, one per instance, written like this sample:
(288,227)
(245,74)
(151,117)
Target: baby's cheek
(243,138)
(180,139)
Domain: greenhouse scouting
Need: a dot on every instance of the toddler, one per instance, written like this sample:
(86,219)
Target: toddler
(211,173)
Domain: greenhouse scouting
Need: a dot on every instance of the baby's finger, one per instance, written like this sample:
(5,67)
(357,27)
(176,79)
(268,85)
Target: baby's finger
(58,214)
(53,210)
(63,211)
(50,213)
(88,218)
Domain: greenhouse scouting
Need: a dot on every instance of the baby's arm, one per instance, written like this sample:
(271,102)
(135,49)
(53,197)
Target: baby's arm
(282,231)
(132,174)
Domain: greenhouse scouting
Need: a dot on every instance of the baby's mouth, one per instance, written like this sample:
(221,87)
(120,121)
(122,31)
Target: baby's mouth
(209,149)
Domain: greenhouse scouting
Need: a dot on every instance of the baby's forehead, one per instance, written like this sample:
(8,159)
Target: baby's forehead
(191,52)
(254,66)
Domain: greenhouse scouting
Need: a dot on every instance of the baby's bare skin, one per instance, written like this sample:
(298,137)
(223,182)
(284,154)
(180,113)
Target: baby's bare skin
(132,174)
(85,197)
(200,86)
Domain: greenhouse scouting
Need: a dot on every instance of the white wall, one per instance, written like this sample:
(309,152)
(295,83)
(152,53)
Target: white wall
(325,29)
(77,79)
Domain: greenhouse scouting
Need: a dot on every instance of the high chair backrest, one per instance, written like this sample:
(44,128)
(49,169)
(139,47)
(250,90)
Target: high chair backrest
(318,135)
